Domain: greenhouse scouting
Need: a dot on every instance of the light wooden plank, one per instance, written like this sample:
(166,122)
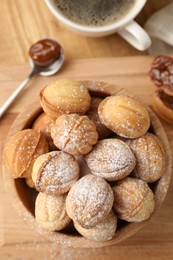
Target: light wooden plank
(25,22)
(17,239)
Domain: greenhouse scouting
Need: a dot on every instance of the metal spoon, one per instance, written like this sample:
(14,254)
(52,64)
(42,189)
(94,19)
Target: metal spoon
(36,70)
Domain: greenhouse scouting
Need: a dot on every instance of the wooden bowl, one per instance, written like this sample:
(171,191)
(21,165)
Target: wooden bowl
(23,197)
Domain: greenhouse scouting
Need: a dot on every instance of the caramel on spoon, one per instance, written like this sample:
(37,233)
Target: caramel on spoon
(46,58)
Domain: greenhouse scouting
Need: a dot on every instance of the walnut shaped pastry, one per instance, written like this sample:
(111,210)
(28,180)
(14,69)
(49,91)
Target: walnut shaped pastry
(74,134)
(89,201)
(150,157)
(111,159)
(124,115)
(65,96)
(133,200)
(103,231)
(55,172)
(50,212)
(21,151)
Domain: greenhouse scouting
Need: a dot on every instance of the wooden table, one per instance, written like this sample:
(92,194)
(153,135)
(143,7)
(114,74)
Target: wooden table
(24,22)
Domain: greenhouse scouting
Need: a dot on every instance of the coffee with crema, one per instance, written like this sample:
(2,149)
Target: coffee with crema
(94,12)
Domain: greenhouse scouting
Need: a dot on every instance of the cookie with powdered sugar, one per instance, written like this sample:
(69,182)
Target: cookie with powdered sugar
(74,134)
(65,96)
(133,200)
(89,201)
(50,212)
(103,231)
(111,159)
(21,151)
(55,172)
(124,115)
(150,157)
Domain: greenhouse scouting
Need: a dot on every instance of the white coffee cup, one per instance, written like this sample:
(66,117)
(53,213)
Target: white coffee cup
(131,31)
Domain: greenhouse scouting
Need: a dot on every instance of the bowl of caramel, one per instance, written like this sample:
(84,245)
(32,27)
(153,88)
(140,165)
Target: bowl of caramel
(88,165)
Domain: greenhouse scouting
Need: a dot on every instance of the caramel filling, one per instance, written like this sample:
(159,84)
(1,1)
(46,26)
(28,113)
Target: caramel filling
(165,98)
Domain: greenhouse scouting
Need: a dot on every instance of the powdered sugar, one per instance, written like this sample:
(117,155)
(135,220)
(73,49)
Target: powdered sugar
(111,159)
(124,115)
(74,134)
(89,201)
(130,195)
(57,174)
(103,231)
(65,96)
(150,157)
(50,212)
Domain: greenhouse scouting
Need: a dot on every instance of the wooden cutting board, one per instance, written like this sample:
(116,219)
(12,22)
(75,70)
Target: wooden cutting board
(17,240)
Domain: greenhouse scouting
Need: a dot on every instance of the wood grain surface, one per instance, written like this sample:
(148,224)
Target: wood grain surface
(17,240)
(24,22)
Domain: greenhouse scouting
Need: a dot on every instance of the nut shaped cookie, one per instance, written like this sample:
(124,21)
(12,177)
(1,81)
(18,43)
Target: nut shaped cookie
(55,172)
(21,151)
(43,124)
(50,212)
(103,231)
(65,96)
(89,201)
(74,134)
(150,157)
(124,115)
(92,113)
(111,159)
(133,200)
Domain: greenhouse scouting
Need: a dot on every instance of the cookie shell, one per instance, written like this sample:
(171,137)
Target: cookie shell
(89,201)
(133,200)
(55,172)
(74,134)
(50,212)
(21,151)
(111,159)
(65,96)
(103,231)
(124,115)
(150,157)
